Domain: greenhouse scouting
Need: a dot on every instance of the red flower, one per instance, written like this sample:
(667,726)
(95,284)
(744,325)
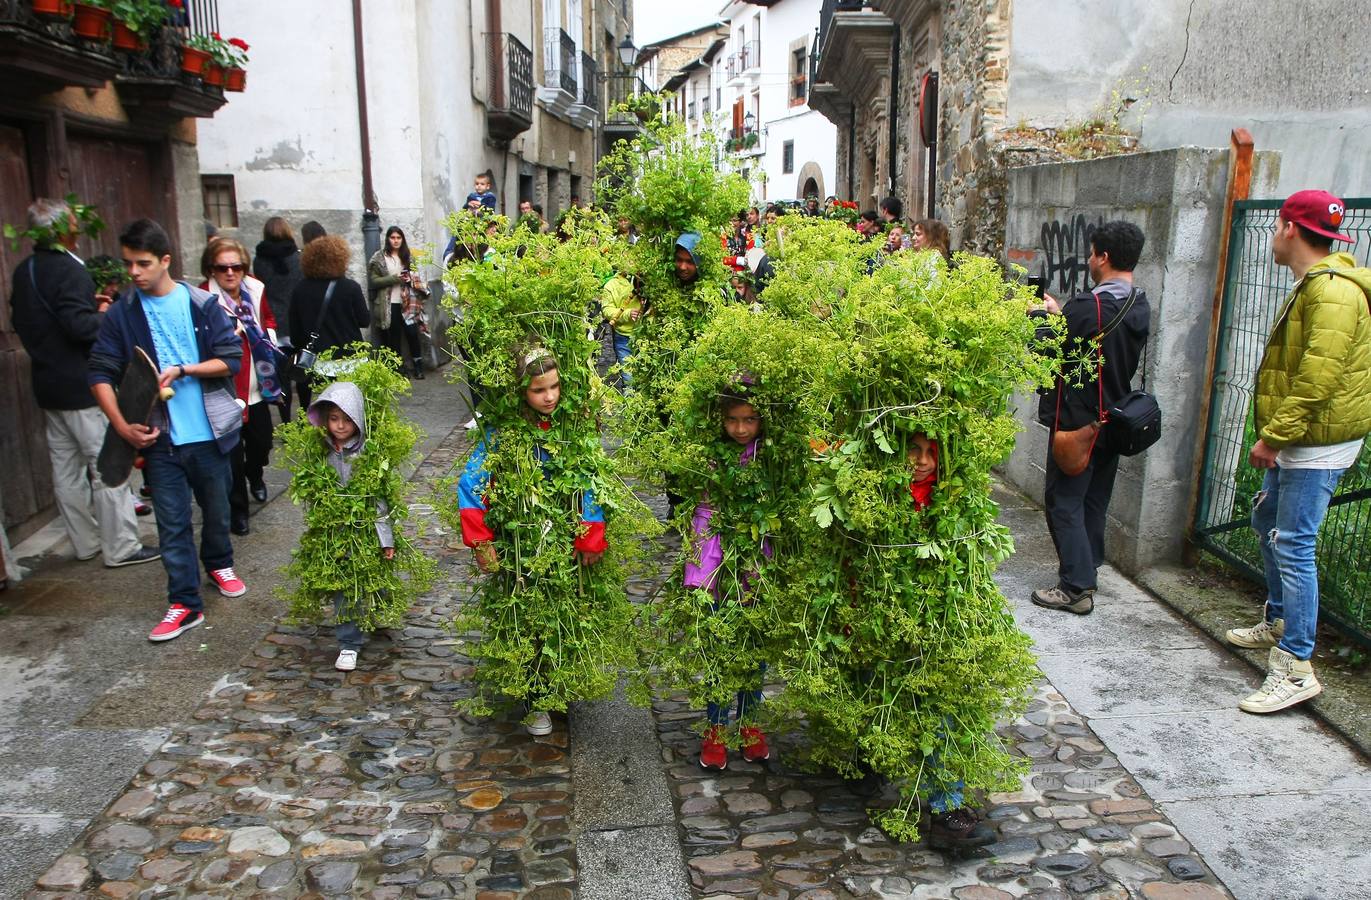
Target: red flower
(240,44)
(176,4)
(215,35)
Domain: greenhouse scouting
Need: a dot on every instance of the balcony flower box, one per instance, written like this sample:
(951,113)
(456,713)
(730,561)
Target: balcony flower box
(92,23)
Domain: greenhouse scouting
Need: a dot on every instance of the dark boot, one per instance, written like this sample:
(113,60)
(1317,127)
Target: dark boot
(959,830)
(418,368)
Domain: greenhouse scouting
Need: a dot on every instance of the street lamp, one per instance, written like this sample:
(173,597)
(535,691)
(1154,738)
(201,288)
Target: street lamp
(750,122)
(627,52)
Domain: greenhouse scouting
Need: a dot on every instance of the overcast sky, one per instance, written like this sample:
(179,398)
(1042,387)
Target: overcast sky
(657,19)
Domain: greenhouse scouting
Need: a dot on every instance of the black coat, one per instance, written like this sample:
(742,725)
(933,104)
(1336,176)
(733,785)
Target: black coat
(347,314)
(277,265)
(1122,350)
(58,324)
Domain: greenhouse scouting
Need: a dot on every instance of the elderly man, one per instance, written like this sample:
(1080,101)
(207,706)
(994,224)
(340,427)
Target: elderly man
(57,318)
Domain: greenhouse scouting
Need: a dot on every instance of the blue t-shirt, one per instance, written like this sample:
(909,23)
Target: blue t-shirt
(173,337)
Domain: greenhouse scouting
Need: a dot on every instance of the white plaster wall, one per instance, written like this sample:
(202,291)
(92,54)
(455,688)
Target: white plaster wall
(1293,75)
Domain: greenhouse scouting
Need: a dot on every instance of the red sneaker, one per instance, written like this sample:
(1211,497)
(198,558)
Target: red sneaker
(754,744)
(228,582)
(713,751)
(177,620)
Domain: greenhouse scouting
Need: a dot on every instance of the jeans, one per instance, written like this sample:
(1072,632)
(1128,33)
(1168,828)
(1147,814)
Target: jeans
(74,439)
(1286,515)
(623,349)
(176,475)
(747,701)
(1076,507)
(349,635)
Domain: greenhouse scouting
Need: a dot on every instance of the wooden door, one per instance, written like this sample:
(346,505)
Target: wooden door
(124,180)
(25,470)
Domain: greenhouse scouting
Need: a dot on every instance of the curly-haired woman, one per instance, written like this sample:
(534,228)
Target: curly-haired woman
(324,263)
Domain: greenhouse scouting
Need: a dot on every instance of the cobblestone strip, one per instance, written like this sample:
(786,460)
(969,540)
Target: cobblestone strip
(1079,827)
(296,780)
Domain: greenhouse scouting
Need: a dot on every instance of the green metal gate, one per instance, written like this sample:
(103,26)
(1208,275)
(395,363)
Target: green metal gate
(1253,291)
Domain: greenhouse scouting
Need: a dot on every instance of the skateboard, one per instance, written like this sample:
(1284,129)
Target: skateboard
(138,395)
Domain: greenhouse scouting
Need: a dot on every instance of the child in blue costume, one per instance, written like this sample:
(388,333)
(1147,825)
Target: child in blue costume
(540,386)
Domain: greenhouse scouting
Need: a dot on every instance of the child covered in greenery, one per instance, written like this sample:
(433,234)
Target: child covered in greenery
(741,428)
(539,644)
(346,462)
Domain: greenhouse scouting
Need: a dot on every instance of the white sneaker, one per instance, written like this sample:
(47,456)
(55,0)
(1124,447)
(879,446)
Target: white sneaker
(347,660)
(1265,634)
(538,723)
(1288,682)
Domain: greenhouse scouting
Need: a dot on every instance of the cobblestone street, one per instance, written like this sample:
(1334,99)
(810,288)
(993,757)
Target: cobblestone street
(295,780)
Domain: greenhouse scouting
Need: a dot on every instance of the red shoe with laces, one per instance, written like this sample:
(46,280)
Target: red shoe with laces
(754,744)
(177,620)
(228,582)
(713,751)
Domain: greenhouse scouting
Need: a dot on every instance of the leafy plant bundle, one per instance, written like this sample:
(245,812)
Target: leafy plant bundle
(88,223)
(905,654)
(339,551)
(552,630)
(817,262)
(710,642)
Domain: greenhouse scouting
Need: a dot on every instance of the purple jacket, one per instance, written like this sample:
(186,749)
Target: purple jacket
(707,552)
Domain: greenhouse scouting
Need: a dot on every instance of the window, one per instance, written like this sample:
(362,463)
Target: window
(799,76)
(787,157)
(221,200)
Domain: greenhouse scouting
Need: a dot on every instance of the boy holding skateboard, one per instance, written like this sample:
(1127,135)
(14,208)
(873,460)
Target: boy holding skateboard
(186,442)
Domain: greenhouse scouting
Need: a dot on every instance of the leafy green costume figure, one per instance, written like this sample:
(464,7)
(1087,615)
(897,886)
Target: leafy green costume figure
(347,460)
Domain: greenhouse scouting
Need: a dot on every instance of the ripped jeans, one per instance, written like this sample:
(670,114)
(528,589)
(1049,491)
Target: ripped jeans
(1286,515)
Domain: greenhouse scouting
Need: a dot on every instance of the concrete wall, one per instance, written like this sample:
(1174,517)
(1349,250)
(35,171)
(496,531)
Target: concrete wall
(1176,198)
(1293,75)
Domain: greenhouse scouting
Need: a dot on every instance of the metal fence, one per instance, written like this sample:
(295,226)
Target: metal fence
(1254,290)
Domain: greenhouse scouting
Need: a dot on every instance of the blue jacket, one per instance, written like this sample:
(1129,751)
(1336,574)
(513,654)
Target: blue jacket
(126,326)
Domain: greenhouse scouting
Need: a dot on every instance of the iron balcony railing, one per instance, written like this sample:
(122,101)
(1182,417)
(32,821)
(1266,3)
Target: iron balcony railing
(690,110)
(510,76)
(559,60)
(590,81)
(197,17)
(619,89)
(750,56)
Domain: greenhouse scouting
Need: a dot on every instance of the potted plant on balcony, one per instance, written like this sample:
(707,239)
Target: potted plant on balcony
(749,140)
(196,53)
(236,75)
(92,20)
(135,21)
(61,9)
(646,106)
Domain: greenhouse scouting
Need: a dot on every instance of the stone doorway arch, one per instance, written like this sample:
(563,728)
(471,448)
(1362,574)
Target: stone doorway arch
(810,181)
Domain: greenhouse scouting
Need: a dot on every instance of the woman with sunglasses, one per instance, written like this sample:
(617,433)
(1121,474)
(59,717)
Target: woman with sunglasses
(225,267)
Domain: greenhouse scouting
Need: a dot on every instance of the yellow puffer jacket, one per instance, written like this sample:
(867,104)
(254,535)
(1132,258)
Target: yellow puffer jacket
(1314,382)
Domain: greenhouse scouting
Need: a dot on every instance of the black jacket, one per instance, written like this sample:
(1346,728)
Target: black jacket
(277,265)
(57,324)
(1123,348)
(347,314)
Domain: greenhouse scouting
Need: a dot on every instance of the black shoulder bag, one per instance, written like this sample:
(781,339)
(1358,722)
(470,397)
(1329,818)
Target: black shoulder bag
(302,372)
(1134,423)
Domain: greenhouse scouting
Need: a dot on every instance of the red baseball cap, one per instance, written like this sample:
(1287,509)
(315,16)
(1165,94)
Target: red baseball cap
(1319,211)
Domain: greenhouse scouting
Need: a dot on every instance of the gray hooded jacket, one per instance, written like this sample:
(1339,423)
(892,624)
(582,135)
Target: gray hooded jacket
(348,397)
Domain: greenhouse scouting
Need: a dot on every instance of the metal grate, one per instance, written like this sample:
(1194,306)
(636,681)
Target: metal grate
(559,61)
(511,75)
(1254,291)
(590,79)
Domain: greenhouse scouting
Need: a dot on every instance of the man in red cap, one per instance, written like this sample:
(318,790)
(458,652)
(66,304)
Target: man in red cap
(1313,410)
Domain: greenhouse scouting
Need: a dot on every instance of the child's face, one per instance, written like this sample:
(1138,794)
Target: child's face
(482,185)
(544,392)
(686,270)
(341,428)
(922,456)
(742,423)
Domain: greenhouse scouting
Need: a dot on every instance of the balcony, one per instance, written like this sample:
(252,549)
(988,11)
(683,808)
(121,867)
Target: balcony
(41,54)
(151,86)
(584,112)
(558,92)
(852,53)
(623,124)
(509,107)
(750,57)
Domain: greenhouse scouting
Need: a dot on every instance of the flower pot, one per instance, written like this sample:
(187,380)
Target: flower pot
(193,61)
(127,39)
(213,74)
(62,9)
(644,115)
(91,23)
(235,79)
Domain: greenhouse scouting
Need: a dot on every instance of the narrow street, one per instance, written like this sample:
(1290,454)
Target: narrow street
(237,761)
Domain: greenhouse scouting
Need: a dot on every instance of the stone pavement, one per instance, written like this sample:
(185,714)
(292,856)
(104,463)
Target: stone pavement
(277,776)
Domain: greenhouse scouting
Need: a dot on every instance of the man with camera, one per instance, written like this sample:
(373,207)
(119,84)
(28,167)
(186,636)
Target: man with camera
(1312,414)
(1106,330)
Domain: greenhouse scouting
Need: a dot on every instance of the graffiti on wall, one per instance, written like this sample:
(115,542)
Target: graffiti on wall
(1065,253)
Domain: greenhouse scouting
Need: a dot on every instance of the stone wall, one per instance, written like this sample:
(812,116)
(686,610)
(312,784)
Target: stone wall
(1176,197)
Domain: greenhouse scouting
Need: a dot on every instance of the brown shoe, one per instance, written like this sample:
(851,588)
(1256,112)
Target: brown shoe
(1060,598)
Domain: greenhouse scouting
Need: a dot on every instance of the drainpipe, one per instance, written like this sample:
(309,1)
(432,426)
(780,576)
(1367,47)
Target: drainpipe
(894,107)
(371,221)
(852,152)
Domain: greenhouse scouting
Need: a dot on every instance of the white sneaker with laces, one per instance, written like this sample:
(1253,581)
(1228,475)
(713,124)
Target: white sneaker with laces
(1288,682)
(347,660)
(538,723)
(1265,634)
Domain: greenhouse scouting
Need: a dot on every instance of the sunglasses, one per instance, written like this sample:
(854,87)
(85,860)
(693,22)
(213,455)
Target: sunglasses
(224,270)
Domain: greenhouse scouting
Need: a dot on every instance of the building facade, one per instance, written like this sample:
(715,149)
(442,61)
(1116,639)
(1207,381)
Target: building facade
(447,90)
(117,127)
